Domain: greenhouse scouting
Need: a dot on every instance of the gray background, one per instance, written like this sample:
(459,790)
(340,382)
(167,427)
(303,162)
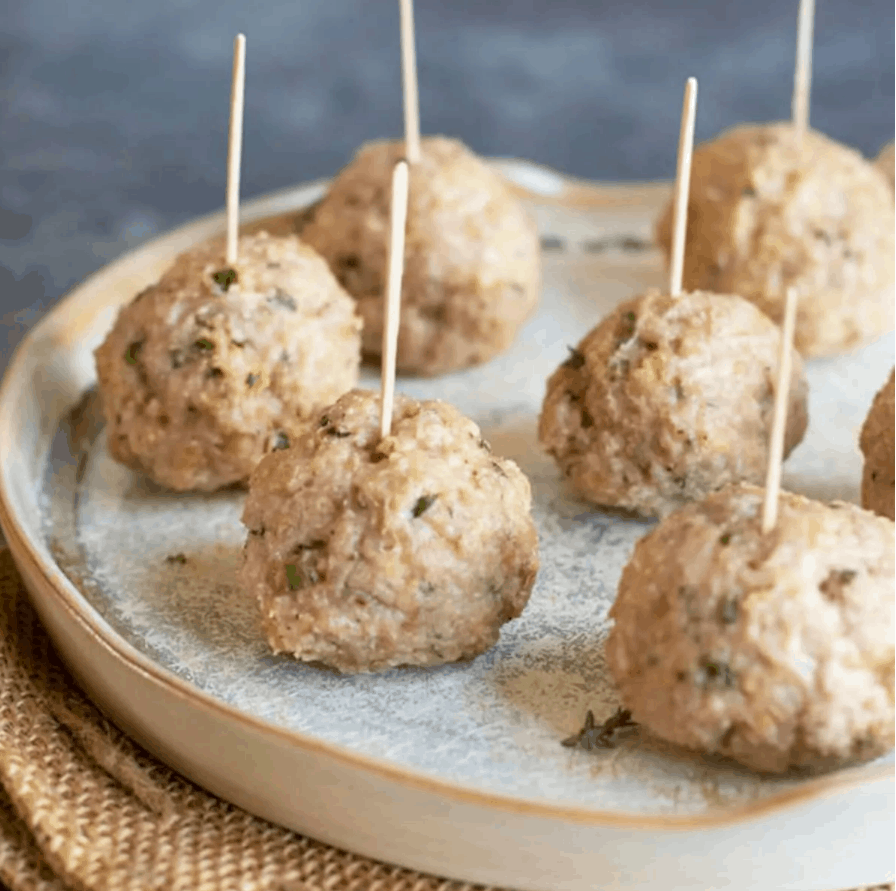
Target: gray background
(114,114)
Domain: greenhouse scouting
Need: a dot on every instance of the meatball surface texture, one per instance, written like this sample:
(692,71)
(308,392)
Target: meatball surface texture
(767,212)
(667,400)
(472,254)
(367,553)
(877,446)
(214,365)
(775,650)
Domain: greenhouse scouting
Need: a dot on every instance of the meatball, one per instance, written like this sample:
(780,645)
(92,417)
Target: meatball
(472,256)
(367,553)
(668,399)
(886,162)
(877,446)
(775,650)
(213,366)
(766,213)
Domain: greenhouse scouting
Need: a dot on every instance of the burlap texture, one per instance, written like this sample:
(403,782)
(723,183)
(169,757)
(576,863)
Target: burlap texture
(82,807)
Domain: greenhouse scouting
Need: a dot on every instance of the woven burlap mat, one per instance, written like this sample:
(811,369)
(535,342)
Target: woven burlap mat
(82,807)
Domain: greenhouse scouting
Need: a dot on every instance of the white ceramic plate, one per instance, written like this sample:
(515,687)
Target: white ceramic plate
(457,770)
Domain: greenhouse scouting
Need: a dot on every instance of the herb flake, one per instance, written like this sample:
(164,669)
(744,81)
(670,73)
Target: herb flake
(715,672)
(600,736)
(294,577)
(132,353)
(423,504)
(224,278)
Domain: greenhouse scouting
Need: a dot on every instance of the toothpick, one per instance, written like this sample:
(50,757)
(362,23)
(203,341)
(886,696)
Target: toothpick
(682,185)
(782,396)
(409,83)
(397,219)
(235,146)
(802,76)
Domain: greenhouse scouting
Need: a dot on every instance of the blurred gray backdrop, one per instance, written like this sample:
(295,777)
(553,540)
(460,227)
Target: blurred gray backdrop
(114,114)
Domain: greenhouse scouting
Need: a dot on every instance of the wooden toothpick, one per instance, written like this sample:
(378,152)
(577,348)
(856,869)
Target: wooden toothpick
(782,397)
(235,146)
(802,76)
(409,83)
(397,220)
(682,185)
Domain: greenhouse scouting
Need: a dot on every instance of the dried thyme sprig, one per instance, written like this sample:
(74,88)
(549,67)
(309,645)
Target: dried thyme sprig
(593,736)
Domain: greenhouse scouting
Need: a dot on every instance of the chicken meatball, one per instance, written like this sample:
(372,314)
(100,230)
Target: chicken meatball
(775,650)
(767,212)
(877,446)
(213,366)
(668,399)
(472,256)
(366,553)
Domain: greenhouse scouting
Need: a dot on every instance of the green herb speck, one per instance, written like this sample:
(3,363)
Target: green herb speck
(132,352)
(423,503)
(224,278)
(293,577)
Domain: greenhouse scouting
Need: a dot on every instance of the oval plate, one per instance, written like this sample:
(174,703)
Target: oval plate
(457,770)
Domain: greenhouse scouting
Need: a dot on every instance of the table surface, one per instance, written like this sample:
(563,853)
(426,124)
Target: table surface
(114,114)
